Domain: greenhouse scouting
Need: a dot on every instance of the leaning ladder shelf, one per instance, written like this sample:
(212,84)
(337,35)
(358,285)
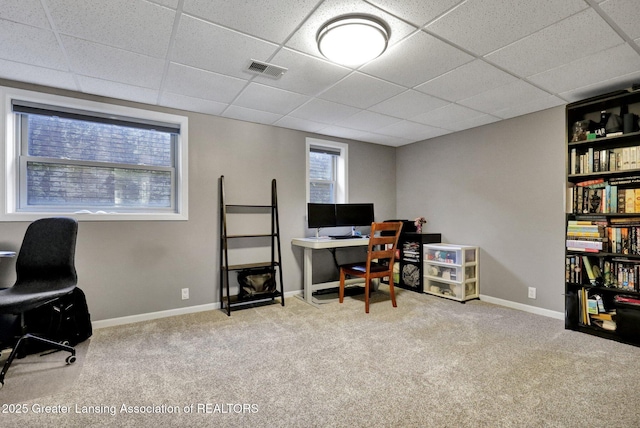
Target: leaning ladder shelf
(228,301)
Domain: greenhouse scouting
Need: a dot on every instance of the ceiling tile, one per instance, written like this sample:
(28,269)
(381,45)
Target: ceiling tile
(568,40)
(266,98)
(504,97)
(417,12)
(386,140)
(200,105)
(360,90)
(407,104)
(197,83)
(37,75)
(446,117)
(322,111)
(602,87)
(416,60)
(626,13)
(473,123)
(168,3)
(121,91)
(274,22)
(412,130)
(367,121)
(144,27)
(535,104)
(300,124)
(30,45)
(598,67)
(482,26)
(211,47)
(305,74)
(304,39)
(338,131)
(107,63)
(466,81)
(251,115)
(28,12)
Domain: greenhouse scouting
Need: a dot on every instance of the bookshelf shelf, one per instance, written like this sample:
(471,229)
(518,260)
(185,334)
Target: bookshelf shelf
(602,247)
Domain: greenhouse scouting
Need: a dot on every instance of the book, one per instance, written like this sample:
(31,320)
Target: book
(625,158)
(621,200)
(603,316)
(629,201)
(594,245)
(586,183)
(605,324)
(589,270)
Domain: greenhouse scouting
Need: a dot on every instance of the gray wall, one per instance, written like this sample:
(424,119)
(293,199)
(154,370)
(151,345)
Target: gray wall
(500,187)
(129,268)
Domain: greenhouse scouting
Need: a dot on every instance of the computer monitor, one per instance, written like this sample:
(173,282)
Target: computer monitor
(354,214)
(321,215)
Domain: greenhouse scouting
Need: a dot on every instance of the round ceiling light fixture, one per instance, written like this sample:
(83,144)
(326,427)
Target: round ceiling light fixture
(353,39)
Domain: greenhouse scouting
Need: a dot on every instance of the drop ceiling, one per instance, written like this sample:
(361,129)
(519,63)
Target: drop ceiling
(451,65)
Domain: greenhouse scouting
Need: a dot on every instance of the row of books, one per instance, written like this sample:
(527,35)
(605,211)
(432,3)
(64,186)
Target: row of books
(411,251)
(599,236)
(622,274)
(600,197)
(590,160)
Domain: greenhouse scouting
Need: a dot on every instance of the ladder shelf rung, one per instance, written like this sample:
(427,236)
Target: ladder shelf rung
(250,265)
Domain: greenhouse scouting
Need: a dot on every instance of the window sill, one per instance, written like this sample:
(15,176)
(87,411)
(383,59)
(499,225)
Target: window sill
(97,216)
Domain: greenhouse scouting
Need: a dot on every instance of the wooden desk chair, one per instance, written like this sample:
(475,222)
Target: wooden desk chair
(379,263)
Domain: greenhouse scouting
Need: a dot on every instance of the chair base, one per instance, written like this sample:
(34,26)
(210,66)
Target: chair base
(54,345)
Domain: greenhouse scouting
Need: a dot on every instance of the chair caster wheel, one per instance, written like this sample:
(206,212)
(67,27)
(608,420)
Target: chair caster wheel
(71,359)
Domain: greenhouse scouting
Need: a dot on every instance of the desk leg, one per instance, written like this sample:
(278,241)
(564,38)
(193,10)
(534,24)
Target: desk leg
(308,274)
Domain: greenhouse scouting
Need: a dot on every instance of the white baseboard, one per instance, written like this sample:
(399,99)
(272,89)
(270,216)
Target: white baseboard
(164,314)
(214,306)
(523,307)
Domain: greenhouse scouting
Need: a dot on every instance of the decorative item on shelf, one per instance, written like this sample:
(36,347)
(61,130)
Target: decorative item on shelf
(580,130)
(601,130)
(630,123)
(614,124)
(418,222)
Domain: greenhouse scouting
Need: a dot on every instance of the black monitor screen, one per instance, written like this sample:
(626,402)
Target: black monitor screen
(354,214)
(321,215)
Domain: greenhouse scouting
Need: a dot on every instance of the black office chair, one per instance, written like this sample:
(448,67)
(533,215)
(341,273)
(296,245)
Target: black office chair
(45,271)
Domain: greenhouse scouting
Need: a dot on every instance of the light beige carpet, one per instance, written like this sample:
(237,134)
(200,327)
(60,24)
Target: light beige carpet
(39,375)
(430,362)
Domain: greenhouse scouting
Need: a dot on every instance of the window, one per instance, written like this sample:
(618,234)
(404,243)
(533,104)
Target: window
(74,157)
(326,171)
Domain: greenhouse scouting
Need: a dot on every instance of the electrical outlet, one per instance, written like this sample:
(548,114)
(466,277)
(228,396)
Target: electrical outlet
(532,292)
(185,293)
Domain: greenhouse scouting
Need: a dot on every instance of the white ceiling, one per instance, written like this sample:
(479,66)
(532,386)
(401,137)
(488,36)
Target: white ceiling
(451,64)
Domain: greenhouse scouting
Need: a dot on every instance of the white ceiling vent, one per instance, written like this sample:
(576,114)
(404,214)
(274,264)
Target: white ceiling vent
(266,69)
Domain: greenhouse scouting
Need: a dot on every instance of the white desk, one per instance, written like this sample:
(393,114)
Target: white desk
(310,244)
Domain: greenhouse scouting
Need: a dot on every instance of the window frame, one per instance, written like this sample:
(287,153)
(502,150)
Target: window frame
(341,168)
(10,164)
